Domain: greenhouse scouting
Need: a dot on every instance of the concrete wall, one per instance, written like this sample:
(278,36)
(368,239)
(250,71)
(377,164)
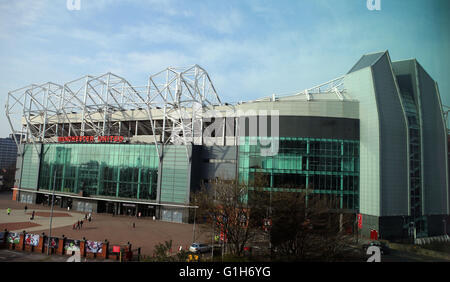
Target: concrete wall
(369,222)
(391,227)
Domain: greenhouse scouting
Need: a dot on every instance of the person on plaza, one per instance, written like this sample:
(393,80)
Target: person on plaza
(32,215)
(81,224)
(78,224)
(26,208)
(8,210)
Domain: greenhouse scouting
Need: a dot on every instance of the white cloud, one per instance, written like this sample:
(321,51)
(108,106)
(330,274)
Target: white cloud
(22,13)
(224,22)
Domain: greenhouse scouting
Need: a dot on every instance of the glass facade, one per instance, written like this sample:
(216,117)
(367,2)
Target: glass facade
(415,159)
(175,180)
(327,167)
(115,170)
(30,167)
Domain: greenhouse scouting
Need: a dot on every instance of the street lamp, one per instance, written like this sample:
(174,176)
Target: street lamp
(51,214)
(193,231)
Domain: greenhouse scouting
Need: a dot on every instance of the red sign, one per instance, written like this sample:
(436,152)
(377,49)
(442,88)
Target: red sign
(80,139)
(223,236)
(116,249)
(373,235)
(360,221)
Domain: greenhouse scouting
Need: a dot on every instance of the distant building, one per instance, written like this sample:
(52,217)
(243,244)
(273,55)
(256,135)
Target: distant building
(8,158)
(8,152)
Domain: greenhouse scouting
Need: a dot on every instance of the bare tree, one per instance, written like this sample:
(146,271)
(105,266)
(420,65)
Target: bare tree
(225,205)
(304,226)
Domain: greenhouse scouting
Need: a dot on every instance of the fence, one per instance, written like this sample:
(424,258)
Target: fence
(429,240)
(39,243)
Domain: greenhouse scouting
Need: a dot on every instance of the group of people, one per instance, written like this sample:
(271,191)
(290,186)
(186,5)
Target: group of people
(32,214)
(79,223)
(8,211)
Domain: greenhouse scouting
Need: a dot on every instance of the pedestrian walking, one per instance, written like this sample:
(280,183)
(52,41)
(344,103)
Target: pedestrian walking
(8,210)
(26,208)
(32,216)
(78,224)
(81,223)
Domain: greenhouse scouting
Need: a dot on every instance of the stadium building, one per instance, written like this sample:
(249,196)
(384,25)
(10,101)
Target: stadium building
(374,139)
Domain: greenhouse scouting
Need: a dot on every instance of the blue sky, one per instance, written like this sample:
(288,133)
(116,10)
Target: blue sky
(250,48)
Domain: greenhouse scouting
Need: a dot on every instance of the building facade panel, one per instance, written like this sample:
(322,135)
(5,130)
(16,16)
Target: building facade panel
(175,174)
(393,141)
(434,161)
(30,167)
(359,85)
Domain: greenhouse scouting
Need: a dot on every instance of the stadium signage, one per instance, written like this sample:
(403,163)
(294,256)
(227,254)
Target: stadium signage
(89,139)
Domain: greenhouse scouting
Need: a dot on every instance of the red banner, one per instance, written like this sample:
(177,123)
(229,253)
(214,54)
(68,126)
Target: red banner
(373,235)
(360,221)
(89,139)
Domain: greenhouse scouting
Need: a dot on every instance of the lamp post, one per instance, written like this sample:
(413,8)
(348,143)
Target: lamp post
(213,239)
(51,214)
(193,230)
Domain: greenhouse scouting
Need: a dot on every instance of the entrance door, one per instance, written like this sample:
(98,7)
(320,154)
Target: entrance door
(146,210)
(128,209)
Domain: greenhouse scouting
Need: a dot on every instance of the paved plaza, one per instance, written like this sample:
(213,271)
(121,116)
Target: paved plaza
(116,229)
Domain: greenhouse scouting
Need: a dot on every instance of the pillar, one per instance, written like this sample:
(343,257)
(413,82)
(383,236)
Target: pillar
(61,243)
(41,246)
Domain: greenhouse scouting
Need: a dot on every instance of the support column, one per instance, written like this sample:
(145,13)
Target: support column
(139,183)
(118,182)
